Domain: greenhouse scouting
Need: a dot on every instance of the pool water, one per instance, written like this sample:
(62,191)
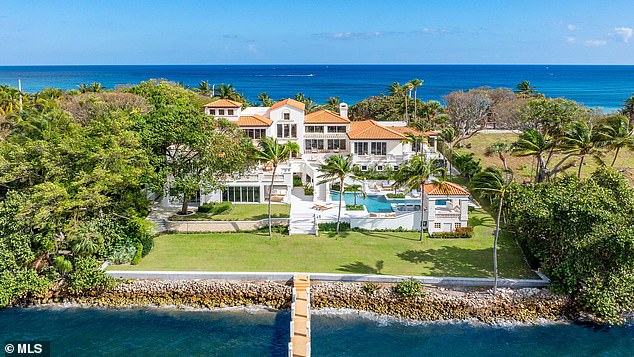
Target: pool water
(372,203)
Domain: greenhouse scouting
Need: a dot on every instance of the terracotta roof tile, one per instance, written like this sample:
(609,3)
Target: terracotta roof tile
(289,102)
(369,129)
(444,189)
(325,117)
(254,120)
(223,103)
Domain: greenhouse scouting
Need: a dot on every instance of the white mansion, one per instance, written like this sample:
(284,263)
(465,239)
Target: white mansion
(372,145)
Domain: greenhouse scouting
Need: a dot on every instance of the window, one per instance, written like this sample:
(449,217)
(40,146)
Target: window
(457,225)
(336,129)
(395,167)
(221,112)
(255,133)
(379,167)
(437,225)
(336,144)
(241,194)
(378,148)
(212,111)
(229,111)
(286,130)
(314,129)
(361,148)
(364,167)
(313,144)
(286,116)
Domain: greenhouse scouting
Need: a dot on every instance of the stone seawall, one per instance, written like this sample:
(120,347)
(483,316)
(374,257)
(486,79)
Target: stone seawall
(523,305)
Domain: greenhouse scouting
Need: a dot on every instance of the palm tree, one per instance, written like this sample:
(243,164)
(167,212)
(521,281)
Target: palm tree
(492,181)
(83,88)
(337,167)
(227,91)
(265,99)
(581,139)
(273,153)
(204,88)
(500,149)
(617,133)
(628,109)
(414,139)
(332,104)
(448,135)
(533,143)
(356,190)
(96,87)
(415,83)
(413,174)
(525,88)
(397,90)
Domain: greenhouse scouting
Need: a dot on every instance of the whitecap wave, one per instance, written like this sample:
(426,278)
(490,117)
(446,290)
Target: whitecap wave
(284,75)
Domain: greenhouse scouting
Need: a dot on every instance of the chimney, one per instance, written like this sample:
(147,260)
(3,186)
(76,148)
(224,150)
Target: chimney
(343,110)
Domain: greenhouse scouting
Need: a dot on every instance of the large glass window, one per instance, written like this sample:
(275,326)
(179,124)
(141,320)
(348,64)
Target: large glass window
(336,144)
(336,128)
(378,148)
(221,112)
(314,129)
(314,144)
(212,111)
(241,194)
(286,130)
(255,133)
(361,148)
(229,111)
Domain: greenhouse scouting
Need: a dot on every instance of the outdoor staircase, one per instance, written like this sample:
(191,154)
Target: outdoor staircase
(161,224)
(302,223)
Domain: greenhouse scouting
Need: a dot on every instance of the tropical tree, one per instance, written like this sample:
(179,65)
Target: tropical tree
(204,88)
(500,149)
(448,135)
(398,90)
(492,181)
(265,99)
(415,139)
(227,91)
(525,88)
(628,109)
(414,173)
(580,138)
(617,133)
(415,83)
(533,143)
(311,106)
(274,153)
(356,190)
(332,104)
(336,168)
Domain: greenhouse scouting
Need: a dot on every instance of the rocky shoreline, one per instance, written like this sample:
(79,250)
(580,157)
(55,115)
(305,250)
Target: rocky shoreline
(436,304)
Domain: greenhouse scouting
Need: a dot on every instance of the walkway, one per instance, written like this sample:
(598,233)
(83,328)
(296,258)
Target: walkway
(300,317)
(302,215)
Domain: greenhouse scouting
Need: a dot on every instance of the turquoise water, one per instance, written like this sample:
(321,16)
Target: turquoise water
(372,203)
(606,86)
(154,332)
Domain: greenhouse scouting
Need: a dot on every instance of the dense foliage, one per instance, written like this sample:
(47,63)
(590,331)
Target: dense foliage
(581,234)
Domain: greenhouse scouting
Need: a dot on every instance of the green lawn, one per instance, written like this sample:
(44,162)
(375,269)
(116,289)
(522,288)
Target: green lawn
(522,165)
(352,252)
(253,212)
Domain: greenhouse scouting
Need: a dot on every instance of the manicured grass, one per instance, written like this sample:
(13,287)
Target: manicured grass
(522,165)
(253,212)
(351,252)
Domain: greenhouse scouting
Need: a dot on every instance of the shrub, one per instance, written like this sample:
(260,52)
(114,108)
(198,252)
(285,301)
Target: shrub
(370,288)
(395,195)
(281,229)
(122,255)
(332,226)
(462,232)
(86,276)
(309,190)
(297,181)
(335,187)
(138,254)
(63,265)
(215,208)
(409,287)
(355,208)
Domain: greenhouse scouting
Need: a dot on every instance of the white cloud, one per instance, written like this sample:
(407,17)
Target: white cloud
(571,27)
(571,39)
(252,48)
(344,35)
(624,32)
(595,43)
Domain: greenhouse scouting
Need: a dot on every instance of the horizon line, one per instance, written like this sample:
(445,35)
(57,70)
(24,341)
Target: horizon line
(314,64)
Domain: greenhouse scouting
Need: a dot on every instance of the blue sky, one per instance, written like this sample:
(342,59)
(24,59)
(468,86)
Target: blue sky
(235,32)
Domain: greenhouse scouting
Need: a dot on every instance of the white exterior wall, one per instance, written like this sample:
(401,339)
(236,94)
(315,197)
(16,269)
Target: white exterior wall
(408,221)
(296,117)
(234,117)
(446,218)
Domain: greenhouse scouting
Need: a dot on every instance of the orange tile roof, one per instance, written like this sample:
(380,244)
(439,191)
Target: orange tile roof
(254,120)
(369,129)
(290,102)
(445,188)
(325,117)
(223,103)
(406,129)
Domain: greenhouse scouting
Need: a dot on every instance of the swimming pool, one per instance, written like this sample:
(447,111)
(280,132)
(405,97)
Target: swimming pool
(373,203)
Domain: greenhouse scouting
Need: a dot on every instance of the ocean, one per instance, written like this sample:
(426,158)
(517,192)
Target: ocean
(258,332)
(595,86)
